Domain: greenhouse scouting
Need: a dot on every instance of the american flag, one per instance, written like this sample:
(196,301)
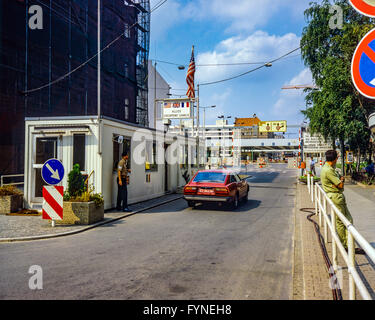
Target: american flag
(190,77)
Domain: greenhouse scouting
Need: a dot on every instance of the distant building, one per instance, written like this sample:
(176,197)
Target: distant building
(158,89)
(32,59)
(229,144)
(252,128)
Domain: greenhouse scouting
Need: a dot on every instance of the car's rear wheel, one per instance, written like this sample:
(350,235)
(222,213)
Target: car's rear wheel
(191,204)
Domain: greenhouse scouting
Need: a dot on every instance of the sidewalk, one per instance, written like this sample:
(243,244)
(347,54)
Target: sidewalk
(311,279)
(21,228)
(310,275)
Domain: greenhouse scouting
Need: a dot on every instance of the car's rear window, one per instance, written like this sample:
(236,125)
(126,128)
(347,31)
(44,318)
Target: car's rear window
(210,177)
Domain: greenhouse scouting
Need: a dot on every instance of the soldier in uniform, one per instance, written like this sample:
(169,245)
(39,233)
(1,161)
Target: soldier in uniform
(333,185)
(122,181)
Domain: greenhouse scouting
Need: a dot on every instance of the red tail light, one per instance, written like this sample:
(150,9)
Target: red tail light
(190,189)
(221,190)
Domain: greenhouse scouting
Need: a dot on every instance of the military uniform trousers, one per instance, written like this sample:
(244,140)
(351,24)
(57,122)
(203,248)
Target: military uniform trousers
(339,200)
(122,195)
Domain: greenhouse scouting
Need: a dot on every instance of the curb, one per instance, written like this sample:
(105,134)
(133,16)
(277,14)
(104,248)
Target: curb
(49,236)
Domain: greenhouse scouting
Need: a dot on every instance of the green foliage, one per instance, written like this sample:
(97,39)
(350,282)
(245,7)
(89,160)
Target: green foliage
(76,183)
(336,110)
(86,196)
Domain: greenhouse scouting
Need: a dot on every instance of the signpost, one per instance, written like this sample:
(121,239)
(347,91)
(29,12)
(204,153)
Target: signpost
(349,157)
(52,174)
(177,109)
(52,171)
(315,144)
(363,66)
(365,7)
(53,203)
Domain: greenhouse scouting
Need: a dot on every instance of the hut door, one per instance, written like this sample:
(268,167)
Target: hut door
(45,148)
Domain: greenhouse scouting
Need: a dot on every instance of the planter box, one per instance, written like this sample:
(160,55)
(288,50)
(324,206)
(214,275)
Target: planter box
(10,204)
(81,213)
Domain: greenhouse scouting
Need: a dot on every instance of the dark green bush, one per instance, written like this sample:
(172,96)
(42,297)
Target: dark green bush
(76,183)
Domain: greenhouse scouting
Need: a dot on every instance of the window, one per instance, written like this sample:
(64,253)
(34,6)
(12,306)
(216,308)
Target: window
(151,164)
(126,69)
(126,30)
(79,150)
(126,147)
(232,178)
(119,148)
(210,177)
(126,109)
(116,154)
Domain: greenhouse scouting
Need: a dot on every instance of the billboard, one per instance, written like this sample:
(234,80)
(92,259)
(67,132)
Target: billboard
(315,143)
(177,109)
(272,126)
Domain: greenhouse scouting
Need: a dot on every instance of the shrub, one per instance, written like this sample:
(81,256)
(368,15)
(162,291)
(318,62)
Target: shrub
(86,196)
(10,191)
(76,184)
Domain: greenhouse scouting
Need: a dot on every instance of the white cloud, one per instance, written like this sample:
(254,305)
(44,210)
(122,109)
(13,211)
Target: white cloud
(258,47)
(238,15)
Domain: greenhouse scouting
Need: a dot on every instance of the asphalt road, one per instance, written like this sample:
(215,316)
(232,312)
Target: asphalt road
(170,252)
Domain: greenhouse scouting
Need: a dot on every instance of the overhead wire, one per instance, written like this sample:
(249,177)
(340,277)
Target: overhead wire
(252,70)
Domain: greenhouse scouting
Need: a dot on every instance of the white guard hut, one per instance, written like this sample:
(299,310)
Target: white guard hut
(158,160)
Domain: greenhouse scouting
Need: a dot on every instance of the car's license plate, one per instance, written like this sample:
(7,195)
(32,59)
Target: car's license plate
(206,191)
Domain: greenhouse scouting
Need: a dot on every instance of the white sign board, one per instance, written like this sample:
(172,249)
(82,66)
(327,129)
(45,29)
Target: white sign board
(315,144)
(177,109)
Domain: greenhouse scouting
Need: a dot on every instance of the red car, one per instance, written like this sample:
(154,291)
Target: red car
(220,186)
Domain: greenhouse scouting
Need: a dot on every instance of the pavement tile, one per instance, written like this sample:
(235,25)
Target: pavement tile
(318,279)
(24,226)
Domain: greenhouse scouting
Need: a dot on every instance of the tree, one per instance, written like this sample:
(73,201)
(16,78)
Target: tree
(336,110)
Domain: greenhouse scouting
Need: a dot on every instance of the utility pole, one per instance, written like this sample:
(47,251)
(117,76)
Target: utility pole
(99,81)
(155,104)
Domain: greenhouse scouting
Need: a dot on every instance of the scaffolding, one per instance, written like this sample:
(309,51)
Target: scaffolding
(31,59)
(143,44)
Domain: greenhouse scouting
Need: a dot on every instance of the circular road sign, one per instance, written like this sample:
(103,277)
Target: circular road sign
(363,66)
(365,7)
(52,171)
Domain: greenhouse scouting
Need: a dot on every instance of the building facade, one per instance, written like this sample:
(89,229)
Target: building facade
(52,72)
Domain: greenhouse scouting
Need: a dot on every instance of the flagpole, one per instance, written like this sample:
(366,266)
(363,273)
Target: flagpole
(198,153)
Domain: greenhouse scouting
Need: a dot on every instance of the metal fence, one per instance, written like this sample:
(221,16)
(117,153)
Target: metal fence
(328,213)
(11,176)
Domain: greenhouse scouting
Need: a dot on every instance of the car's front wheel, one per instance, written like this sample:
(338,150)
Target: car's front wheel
(245,198)
(235,202)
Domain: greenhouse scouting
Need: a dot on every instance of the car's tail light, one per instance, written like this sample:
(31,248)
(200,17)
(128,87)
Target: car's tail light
(221,190)
(190,189)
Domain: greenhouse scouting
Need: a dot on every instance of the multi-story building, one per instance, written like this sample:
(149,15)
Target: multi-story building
(251,128)
(52,71)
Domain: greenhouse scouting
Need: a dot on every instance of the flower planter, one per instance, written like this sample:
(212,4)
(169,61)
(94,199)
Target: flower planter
(11,204)
(81,213)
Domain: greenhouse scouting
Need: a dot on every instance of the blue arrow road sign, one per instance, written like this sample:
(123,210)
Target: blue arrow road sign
(52,171)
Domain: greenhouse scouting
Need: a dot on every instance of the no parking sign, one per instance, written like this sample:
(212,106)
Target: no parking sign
(363,66)
(365,7)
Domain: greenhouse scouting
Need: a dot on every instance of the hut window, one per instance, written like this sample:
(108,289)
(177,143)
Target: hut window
(79,150)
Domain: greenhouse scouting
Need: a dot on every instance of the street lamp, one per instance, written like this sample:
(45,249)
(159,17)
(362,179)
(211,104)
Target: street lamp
(204,125)
(223,118)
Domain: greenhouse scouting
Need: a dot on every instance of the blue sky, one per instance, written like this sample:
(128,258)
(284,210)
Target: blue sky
(234,31)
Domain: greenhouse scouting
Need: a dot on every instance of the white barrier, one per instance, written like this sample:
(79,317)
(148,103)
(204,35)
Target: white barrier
(320,200)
